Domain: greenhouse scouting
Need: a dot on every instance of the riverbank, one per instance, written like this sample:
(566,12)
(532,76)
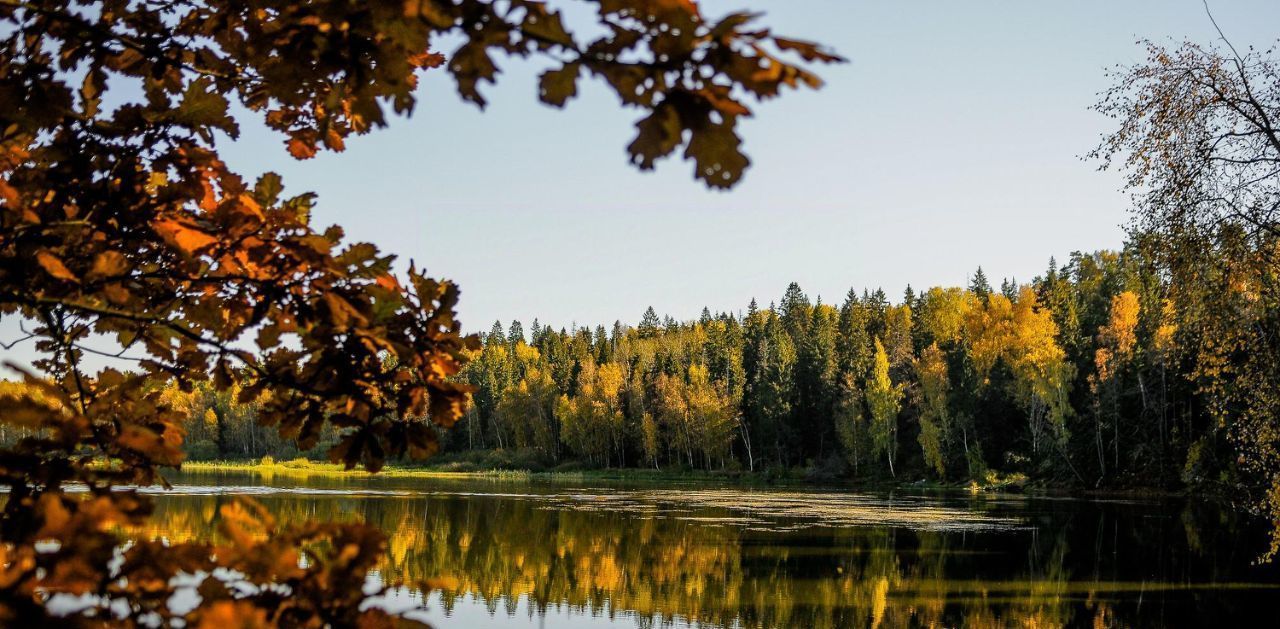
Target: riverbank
(305,468)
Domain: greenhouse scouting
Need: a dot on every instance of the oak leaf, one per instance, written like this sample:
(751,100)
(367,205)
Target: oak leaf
(53,266)
(183,236)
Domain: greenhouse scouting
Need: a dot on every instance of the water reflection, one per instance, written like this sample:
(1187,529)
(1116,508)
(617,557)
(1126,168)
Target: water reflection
(516,552)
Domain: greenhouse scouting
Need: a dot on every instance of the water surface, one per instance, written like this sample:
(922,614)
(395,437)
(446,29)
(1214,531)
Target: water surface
(517,553)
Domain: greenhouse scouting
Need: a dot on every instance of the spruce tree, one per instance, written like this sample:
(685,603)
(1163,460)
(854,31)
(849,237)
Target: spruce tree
(1009,288)
(497,335)
(980,285)
(795,312)
(649,324)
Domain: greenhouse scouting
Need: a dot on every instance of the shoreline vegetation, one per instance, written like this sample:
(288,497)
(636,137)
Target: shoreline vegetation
(303,468)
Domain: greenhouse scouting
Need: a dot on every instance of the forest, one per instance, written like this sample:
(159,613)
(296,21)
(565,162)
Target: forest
(1094,374)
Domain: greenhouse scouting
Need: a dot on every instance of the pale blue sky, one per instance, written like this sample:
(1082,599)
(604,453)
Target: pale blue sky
(952,139)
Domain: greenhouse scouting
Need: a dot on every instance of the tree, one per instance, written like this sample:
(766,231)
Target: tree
(776,389)
(897,339)
(650,325)
(935,412)
(515,333)
(883,400)
(794,312)
(815,381)
(854,353)
(1199,140)
(592,421)
(497,335)
(980,285)
(525,411)
(1117,342)
(125,222)
(942,314)
(1042,376)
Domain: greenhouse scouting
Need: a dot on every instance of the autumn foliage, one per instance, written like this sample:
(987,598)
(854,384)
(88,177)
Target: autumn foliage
(118,220)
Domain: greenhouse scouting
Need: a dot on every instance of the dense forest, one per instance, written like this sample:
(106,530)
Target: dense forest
(1093,374)
(1090,375)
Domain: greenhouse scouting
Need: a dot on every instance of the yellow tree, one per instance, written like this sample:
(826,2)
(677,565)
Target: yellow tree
(935,414)
(898,324)
(1117,342)
(943,313)
(988,330)
(526,411)
(671,412)
(884,401)
(1024,336)
(608,386)
(1042,375)
(713,415)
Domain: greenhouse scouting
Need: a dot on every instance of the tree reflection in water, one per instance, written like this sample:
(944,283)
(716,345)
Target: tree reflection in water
(779,558)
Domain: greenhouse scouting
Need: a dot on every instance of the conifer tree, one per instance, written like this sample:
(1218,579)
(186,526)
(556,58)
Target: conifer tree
(980,285)
(497,334)
(649,324)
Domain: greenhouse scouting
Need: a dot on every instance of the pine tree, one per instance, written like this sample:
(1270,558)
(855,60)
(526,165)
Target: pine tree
(602,347)
(1009,288)
(753,370)
(497,335)
(815,382)
(776,390)
(795,312)
(649,324)
(980,285)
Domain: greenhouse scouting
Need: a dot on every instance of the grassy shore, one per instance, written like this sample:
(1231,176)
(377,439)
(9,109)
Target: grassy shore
(304,468)
(316,469)
(300,469)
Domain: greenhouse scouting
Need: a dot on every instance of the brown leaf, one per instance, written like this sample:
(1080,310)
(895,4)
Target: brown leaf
(231,615)
(556,87)
(301,149)
(545,26)
(108,264)
(809,51)
(54,266)
(183,236)
(657,136)
(718,161)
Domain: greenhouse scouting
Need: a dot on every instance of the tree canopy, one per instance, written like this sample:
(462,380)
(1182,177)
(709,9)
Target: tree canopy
(121,220)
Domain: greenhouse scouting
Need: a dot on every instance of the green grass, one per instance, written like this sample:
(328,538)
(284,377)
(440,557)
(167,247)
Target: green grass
(454,469)
(314,469)
(497,466)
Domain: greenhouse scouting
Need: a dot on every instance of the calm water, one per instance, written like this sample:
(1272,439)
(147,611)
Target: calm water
(533,554)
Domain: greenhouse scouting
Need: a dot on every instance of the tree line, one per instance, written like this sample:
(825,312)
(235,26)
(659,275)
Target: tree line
(1078,376)
(1098,373)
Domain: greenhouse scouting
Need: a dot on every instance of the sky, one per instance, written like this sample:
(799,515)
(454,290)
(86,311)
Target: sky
(953,138)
